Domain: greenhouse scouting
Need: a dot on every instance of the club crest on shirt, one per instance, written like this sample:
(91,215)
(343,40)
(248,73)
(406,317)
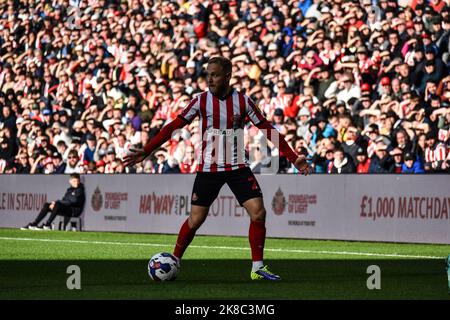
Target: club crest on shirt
(194,197)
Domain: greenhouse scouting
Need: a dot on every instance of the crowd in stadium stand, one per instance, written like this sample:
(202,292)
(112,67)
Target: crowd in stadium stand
(357,86)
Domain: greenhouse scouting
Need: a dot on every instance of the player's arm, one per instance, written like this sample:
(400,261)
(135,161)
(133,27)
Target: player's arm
(276,138)
(186,116)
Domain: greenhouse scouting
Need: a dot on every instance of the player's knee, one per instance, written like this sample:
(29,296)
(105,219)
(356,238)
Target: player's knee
(196,221)
(259,214)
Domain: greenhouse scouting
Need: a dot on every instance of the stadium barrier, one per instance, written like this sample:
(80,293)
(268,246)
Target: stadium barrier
(392,208)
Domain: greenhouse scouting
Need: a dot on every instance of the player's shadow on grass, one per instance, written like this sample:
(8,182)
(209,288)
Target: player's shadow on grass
(225,279)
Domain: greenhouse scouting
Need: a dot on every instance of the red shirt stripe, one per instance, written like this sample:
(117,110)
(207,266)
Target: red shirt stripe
(215,139)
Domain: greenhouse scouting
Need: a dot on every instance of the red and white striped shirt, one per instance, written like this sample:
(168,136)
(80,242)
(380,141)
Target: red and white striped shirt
(443,135)
(436,154)
(222,127)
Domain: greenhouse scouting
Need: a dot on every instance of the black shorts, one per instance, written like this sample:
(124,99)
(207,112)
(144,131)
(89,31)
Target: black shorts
(242,183)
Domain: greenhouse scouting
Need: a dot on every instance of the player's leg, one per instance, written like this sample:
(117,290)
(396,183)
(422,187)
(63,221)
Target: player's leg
(257,238)
(189,228)
(205,191)
(245,187)
(257,230)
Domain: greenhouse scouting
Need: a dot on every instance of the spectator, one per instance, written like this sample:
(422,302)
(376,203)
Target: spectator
(363,161)
(165,163)
(89,151)
(411,165)
(303,125)
(278,120)
(189,164)
(322,158)
(100,166)
(23,166)
(6,149)
(120,77)
(48,166)
(397,155)
(110,160)
(350,147)
(381,162)
(325,78)
(342,163)
(73,163)
(347,88)
(131,116)
(402,141)
(60,165)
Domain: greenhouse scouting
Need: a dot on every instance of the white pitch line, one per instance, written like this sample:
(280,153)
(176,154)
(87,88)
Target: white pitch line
(371,254)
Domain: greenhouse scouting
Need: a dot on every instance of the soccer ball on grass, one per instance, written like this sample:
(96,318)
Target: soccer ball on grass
(163,267)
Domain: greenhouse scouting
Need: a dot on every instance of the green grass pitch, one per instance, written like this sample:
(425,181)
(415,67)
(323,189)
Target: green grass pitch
(33,265)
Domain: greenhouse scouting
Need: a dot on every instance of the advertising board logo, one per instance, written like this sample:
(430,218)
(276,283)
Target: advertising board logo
(278,202)
(166,203)
(295,205)
(97,199)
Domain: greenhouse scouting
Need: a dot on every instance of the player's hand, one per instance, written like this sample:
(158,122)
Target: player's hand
(136,156)
(302,165)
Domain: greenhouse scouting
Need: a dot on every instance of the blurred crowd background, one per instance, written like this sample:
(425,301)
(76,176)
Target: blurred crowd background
(357,86)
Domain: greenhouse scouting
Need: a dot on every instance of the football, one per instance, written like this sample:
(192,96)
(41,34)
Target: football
(163,266)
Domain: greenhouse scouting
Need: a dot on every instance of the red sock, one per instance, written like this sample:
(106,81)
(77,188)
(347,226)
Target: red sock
(257,237)
(185,237)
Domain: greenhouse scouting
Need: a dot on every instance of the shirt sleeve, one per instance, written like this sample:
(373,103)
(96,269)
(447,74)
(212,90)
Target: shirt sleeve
(253,112)
(191,110)
(278,140)
(164,134)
